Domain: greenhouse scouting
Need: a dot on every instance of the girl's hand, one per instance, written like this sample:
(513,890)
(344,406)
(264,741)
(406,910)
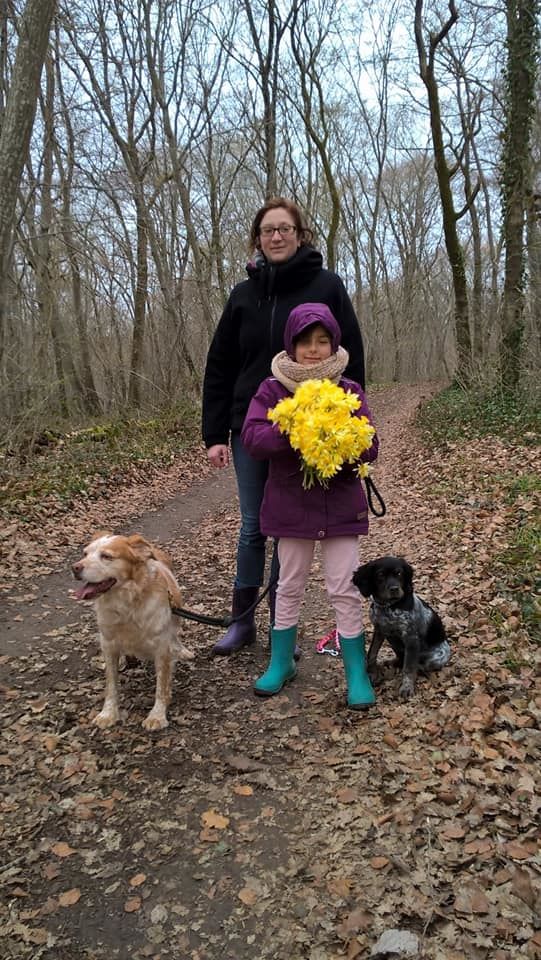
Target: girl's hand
(219,455)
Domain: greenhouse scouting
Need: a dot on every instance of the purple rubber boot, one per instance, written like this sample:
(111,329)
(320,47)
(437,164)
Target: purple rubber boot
(241,633)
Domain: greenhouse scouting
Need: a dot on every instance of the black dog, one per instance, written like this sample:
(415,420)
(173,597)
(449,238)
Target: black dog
(412,628)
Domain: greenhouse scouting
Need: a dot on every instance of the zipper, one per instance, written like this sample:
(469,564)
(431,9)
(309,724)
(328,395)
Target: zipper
(272,298)
(273,313)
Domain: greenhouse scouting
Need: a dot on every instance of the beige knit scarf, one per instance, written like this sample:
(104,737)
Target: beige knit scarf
(291,374)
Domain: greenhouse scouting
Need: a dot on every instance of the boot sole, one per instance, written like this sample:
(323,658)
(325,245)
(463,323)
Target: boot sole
(229,653)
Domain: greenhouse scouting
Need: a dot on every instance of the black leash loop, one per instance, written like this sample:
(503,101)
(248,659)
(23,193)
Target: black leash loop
(222,621)
(371,489)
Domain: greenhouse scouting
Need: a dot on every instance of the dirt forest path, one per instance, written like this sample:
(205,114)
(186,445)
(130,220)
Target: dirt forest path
(288,829)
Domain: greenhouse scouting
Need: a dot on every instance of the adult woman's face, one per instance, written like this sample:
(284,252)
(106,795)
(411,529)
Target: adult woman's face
(278,246)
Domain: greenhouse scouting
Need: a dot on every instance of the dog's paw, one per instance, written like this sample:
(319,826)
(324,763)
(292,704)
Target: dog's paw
(106,718)
(155,721)
(407,689)
(183,653)
(375,672)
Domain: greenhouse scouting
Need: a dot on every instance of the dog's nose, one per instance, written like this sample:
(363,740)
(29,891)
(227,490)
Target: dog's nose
(77,567)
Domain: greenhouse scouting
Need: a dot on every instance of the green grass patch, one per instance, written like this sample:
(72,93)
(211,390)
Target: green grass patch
(519,566)
(455,414)
(63,464)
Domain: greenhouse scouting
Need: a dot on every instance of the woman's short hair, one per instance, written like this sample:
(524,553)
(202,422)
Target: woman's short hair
(304,232)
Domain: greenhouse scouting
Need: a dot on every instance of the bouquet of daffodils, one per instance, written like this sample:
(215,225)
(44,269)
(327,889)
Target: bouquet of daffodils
(319,423)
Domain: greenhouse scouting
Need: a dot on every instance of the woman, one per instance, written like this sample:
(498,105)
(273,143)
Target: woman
(285,272)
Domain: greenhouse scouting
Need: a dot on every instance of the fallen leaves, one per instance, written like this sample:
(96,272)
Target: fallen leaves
(243,790)
(480,713)
(33,935)
(137,880)
(132,905)
(422,814)
(70,897)
(520,851)
(340,886)
(356,921)
(247,896)
(452,831)
(347,795)
(212,823)
(62,850)
(471,899)
(213,820)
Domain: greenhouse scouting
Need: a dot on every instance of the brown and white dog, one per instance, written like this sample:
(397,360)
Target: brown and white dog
(133,588)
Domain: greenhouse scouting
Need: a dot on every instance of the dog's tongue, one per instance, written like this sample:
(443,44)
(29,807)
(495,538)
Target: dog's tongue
(90,590)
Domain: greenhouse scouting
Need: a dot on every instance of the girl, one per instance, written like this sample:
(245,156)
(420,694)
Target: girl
(334,516)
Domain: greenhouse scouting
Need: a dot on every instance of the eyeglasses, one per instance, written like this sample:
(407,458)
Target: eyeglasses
(284,229)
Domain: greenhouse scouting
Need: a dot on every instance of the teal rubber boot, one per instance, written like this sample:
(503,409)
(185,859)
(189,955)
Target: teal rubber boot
(360,691)
(282,667)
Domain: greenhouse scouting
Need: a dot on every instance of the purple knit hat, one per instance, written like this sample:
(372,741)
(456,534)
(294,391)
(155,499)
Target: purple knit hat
(306,315)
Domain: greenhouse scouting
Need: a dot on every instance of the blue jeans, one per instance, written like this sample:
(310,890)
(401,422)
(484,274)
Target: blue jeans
(251,479)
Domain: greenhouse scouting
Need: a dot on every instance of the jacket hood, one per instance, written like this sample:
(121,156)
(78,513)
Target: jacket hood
(277,279)
(305,315)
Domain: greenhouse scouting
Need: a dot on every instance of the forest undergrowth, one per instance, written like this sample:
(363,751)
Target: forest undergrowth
(288,829)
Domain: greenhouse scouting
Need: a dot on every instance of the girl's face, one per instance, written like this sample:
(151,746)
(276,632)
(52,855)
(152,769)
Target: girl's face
(313,345)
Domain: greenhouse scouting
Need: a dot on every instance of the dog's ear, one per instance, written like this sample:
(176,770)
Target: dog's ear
(408,576)
(363,578)
(147,551)
(141,547)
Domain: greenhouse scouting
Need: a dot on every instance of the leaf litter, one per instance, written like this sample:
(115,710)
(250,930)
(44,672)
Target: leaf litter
(288,828)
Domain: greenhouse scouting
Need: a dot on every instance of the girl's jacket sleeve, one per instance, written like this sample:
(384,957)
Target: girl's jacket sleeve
(364,411)
(262,438)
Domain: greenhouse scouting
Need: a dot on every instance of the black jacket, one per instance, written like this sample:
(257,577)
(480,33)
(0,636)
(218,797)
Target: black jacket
(251,332)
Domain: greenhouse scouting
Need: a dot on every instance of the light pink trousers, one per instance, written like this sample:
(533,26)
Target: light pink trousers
(340,559)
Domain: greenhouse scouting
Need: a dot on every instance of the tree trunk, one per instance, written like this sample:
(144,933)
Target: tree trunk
(18,119)
(315,118)
(89,394)
(135,392)
(444,175)
(533,242)
(522,45)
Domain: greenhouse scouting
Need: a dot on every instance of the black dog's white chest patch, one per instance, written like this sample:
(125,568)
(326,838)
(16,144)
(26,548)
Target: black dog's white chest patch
(401,627)
(398,623)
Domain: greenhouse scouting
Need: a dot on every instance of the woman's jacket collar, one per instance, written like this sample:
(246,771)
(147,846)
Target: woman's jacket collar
(277,278)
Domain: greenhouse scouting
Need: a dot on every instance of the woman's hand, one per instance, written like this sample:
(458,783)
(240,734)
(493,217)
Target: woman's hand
(218,455)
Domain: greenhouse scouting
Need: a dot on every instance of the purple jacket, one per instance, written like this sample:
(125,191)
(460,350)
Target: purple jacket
(288,510)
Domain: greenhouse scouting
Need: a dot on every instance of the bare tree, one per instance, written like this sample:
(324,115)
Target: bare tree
(266,44)
(165,55)
(517,189)
(445,174)
(361,170)
(18,119)
(119,73)
(65,162)
(307,42)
